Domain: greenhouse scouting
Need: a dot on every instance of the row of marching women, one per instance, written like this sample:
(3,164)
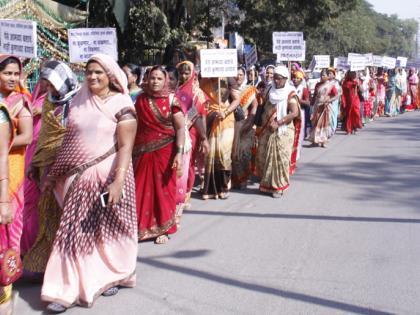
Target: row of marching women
(87,170)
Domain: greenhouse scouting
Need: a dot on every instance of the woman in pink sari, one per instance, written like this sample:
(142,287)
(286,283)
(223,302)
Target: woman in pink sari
(194,102)
(95,249)
(412,90)
(31,190)
(158,154)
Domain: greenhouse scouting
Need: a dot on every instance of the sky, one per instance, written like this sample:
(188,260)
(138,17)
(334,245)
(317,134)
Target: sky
(405,9)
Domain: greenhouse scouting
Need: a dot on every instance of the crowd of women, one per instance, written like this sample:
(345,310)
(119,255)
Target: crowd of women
(87,170)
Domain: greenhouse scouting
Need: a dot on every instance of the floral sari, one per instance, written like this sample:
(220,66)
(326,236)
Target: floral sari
(95,247)
(320,119)
(154,152)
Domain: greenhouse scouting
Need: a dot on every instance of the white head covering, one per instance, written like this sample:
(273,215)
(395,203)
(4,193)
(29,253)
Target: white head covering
(282,70)
(280,97)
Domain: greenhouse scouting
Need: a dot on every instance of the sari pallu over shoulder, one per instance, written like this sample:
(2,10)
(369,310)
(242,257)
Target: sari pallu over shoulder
(155,178)
(15,103)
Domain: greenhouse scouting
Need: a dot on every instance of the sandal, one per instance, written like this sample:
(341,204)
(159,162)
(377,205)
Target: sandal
(56,308)
(162,239)
(110,292)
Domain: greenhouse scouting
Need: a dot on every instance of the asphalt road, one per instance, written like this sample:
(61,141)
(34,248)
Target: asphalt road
(344,239)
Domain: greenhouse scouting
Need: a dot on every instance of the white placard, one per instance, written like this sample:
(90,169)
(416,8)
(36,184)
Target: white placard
(340,63)
(388,62)
(18,37)
(289,46)
(217,63)
(86,42)
(358,63)
(401,62)
(298,55)
(320,62)
(251,57)
(377,61)
(369,59)
(350,57)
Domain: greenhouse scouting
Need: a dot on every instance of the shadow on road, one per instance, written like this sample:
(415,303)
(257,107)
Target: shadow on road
(301,216)
(337,305)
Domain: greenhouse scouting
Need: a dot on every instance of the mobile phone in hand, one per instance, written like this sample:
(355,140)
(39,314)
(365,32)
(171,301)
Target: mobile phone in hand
(105,198)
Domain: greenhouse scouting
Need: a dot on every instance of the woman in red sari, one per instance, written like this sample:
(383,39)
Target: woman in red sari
(158,153)
(350,103)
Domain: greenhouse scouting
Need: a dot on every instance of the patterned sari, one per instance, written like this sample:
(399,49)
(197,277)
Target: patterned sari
(243,142)
(220,134)
(274,151)
(51,135)
(320,119)
(154,152)
(49,142)
(95,247)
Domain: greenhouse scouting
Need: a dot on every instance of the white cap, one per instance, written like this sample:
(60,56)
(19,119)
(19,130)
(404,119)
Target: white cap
(282,70)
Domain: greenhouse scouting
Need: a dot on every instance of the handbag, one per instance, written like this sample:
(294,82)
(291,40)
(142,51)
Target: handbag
(239,113)
(10,263)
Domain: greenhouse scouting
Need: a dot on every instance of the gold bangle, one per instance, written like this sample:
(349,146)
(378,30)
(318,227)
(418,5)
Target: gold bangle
(120,169)
(180,149)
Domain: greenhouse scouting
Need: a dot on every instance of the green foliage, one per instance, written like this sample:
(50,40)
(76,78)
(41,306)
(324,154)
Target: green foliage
(331,27)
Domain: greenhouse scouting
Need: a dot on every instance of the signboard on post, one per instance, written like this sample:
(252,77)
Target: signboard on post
(341,63)
(401,62)
(369,59)
(85,42)
(377,61)
(358,63)
(217,63)
(289,46)
(251,57)
(350,57)
(319,62)
(389,62)
(18,37)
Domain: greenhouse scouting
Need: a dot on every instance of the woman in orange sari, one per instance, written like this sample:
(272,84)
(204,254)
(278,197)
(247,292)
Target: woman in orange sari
(17,104)
(244,133)
(6,211)
(158,151)
(220,134)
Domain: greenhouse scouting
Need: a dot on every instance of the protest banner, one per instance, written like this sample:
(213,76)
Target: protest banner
(389,62)
(340,63)
(319,62)
(401,62)
(18,37)
(377,61)
(358,63)
(218,63)
(251,57)
(289,46)
(85,42)
(350,57)
(369,59)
